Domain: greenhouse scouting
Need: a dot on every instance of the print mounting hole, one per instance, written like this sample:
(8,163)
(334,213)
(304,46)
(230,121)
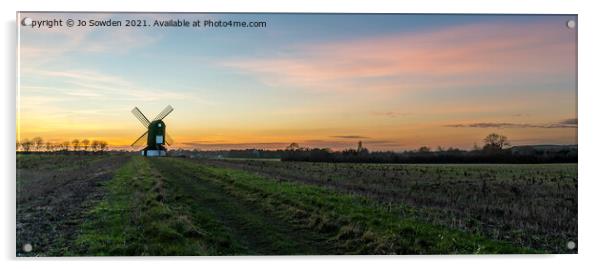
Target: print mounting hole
(571,24)
(571,245)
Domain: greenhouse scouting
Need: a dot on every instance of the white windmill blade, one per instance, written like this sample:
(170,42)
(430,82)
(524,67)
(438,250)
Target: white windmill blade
(138,114)
(141,140)
(168,109)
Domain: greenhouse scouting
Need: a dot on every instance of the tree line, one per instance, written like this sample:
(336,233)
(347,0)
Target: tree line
(37,144)
(496,149)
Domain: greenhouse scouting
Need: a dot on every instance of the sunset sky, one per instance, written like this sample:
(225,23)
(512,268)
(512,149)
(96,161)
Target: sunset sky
(395,82)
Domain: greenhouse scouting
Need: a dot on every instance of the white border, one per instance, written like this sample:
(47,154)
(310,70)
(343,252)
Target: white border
(589,132)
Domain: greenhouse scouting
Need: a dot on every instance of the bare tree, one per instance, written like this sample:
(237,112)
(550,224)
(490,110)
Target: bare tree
(75,144)
(293,146)
(94,145)
(102,145)
(49,146)
(26,145)
(38,143)
(65,145)
(424,149)
(86,143)
(495,142)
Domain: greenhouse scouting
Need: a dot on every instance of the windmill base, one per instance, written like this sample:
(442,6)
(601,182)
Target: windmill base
(153,153)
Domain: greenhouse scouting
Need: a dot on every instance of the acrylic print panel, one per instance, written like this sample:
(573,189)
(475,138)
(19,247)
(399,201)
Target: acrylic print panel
(296,134)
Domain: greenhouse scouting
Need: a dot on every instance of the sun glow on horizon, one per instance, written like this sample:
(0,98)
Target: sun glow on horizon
(397,83)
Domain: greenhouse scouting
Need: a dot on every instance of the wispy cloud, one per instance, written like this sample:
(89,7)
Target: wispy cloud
(569,123)
(350,136)
(60,42)
(390,114)
(460,55)
(95,84)
(83,99)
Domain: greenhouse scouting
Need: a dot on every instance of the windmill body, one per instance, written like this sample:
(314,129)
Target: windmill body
(156,136)
(155,139)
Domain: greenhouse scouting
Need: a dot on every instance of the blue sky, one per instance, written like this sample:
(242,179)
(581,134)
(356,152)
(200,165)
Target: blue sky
(396,80)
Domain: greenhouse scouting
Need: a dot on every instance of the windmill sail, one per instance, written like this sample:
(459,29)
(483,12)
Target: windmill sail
(138,114)
(164,113)
(168,139)
(141,140)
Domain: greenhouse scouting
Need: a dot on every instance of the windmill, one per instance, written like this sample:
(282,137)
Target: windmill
(155,136)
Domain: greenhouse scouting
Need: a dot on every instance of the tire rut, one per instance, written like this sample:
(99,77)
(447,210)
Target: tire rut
(255,230)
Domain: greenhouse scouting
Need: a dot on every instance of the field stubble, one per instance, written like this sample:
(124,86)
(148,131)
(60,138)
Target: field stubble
(53,194)
(530,205)
(121,205)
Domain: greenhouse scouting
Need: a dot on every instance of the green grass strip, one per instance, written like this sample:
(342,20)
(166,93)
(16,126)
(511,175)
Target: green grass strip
(133,219)
(360,225)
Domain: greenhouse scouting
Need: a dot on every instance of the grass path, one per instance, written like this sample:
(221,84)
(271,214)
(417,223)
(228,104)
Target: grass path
(245,228)
(134,219)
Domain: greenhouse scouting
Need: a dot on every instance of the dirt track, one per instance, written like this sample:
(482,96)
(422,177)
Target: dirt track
(254,231)
(51,200)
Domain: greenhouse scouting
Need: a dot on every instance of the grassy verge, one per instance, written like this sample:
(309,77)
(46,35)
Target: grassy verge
(234,226)
(358,225)
(134,220)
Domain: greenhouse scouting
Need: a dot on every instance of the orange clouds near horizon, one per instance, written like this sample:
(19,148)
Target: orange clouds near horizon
(392,86)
